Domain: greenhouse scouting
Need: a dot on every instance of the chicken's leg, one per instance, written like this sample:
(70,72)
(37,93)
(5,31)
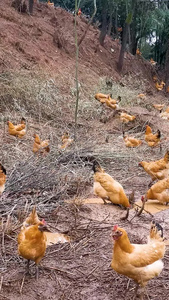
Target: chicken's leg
(126,216)
(37,272)
(104,200)
(135,291)
(144,290)
(141,295)
(27,267)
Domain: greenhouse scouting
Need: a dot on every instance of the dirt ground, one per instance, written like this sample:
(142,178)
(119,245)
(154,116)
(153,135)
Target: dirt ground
(58,184)
(81,269)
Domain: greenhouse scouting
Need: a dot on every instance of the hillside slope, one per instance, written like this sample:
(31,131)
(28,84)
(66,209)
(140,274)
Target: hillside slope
(46,41)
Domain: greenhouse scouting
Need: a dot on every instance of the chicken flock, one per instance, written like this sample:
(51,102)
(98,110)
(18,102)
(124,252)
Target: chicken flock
(140,262)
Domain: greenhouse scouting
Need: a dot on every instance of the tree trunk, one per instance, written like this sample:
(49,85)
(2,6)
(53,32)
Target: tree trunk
(123,48)
(31,7)
(134,40)
(134,44)
(104,23)
(110,22)
(19,5)
(116,25)
(167,66)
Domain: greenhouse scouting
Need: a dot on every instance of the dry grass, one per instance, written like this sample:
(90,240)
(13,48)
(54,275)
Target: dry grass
(128,88)
(32,94)
(82,266)
(60,175)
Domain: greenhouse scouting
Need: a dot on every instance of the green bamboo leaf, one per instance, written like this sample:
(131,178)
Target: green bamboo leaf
(129,18)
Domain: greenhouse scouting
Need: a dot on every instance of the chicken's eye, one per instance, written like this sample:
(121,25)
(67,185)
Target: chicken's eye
(118,232)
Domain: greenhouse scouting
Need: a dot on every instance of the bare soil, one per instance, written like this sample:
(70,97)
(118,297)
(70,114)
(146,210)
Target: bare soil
(79,270)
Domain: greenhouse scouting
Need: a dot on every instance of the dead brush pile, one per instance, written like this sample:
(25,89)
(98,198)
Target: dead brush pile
(50,179)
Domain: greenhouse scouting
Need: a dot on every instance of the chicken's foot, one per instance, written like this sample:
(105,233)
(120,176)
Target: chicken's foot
(104,201)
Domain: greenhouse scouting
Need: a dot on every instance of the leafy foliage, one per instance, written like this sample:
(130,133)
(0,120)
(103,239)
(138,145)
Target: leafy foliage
(149,29)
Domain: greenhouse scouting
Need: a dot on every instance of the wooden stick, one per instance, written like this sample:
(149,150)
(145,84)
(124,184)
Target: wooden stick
(22,284)
(144,210)
(57,269)
(1,283)
(92,271)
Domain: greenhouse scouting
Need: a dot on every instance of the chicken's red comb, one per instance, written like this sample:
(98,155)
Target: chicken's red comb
(142,198)
(115,227)
(43,221)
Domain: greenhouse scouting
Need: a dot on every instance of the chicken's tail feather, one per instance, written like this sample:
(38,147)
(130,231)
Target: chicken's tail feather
(97,167)
(23,120)
(158,134)
(2,169)
(166,157)
(37,138)
(156,230)
(123,133)
(33,210)
(119,99)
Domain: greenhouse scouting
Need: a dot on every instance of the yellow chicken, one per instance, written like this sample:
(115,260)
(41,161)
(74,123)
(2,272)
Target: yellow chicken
(32,243)
(159,191)
(51,3)
(155,78)
(152,139)
(66,141)
(102,97)
(158,106)
(32,219)
(160,86)
(138,51)
(39,146)
(165,115)
(2,178)
(17,130)
(140,262)
(112,103)
(141,96)
(131,141)
(157,169)
(107,188)
(125,118)
(153,62)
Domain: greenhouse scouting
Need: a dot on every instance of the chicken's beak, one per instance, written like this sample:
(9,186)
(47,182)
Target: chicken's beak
(43,228)
(116,234)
